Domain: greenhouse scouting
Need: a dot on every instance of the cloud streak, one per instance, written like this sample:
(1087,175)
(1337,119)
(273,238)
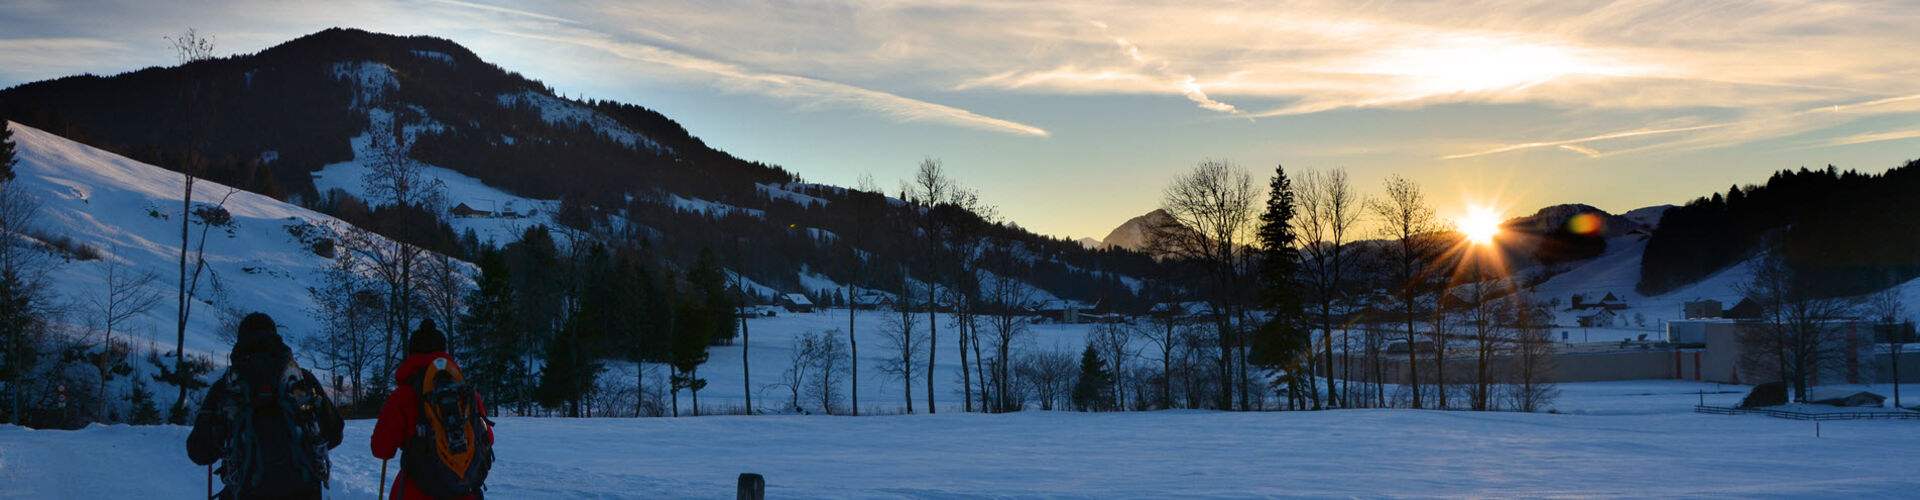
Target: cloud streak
(1765,126)
(505,10)
(811,91)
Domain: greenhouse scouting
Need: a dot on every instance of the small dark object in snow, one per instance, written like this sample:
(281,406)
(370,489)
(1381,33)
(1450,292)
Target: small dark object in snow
(752,487)
(1767,394)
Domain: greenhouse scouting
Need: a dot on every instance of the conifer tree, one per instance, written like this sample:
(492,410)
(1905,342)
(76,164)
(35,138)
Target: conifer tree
(7,157)
(1093,391)
(1278,343)
(491,327)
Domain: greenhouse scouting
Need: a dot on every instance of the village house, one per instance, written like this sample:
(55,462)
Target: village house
(796,303)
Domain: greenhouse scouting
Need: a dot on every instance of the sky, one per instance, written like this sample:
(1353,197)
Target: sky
(1071,117)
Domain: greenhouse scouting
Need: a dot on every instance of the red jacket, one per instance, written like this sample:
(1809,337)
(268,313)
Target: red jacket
(399,416)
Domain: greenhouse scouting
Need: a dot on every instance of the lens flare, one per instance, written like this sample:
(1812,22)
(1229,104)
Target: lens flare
(1586,224)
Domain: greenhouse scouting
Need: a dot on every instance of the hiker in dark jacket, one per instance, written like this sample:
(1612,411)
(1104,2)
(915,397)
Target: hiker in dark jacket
(266,420)
(400,416)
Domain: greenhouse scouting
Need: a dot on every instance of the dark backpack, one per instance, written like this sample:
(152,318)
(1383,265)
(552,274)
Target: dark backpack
(450,450)
(275,447)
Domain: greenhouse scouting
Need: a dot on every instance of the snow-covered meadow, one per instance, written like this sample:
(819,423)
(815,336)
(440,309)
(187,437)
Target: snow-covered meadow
(1609,439)
(1619,439)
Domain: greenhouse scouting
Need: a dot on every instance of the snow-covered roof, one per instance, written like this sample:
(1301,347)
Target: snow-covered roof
(797,299)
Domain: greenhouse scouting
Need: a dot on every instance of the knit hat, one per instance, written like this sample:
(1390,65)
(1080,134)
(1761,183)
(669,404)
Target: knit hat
(256,333)
(427,339)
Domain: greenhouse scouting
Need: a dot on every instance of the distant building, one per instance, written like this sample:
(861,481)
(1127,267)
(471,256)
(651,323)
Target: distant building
(1610,302)
(871,300)
(505,210)
(464,210)
(796,303)
(1067,311)
(1746,309)
(1712,349)
(1603,318)
(1701,309)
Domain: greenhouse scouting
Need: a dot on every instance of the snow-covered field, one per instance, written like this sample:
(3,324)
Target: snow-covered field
(1625,439)
(1614,439)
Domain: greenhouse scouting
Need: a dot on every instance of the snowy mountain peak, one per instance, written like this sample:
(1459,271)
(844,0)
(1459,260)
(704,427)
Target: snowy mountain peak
(1133,234)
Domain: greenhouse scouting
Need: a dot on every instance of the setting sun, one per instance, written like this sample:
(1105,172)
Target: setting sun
(1480,226)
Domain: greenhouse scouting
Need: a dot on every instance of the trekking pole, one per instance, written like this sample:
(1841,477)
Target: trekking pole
(383,479)
(209,481)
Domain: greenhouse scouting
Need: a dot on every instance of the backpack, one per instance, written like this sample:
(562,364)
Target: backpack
(275,447)
(450,451)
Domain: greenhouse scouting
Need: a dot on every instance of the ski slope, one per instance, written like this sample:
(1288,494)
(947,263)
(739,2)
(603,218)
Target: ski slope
(1627,440)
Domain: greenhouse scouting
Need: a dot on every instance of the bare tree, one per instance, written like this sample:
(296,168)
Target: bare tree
(210,216)
(1887,308)
(1530,382)
(1003,301)
(930,189)
(1409,224)
(1169,325)
(1329,209)
(968,222)
(129,293)
(1480,313)
(829,370)
(800,364)
(1796,334)
(1049,377)
(395,265)
(348,311)
(1115,342)
(394,177)
(1440,330)
(1210,220)
(868,190)
(190,47)
(444,285)
(905,344)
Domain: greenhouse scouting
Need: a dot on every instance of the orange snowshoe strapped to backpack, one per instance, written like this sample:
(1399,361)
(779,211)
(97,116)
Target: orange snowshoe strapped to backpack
(450,451)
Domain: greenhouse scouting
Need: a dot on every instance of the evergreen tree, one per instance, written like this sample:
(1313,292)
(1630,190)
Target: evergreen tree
(7,157)
(492,328)
(22,351)
(570,372)
(1282,340)
(710,285)
(145,411)
(692,326)
(1093,392)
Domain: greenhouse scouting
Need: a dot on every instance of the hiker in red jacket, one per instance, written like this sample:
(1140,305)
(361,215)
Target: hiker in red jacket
(455,415)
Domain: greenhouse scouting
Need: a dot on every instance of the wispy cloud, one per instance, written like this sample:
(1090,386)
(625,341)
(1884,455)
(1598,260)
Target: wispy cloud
(1761,126)
(505,10)
(810,91)
(1573,144)
(1863,139)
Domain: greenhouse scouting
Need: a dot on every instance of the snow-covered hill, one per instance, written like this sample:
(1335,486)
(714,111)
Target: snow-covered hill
(130,212)
(1617,271)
